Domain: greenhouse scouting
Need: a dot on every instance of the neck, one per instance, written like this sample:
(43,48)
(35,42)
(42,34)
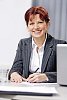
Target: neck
(39,41)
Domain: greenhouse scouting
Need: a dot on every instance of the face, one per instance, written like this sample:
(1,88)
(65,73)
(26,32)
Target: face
(37,27)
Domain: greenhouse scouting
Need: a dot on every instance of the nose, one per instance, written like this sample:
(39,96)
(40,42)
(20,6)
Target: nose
(36,26)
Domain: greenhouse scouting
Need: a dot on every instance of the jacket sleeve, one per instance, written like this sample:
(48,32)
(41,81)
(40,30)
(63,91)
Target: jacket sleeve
(18,62)
(52,76)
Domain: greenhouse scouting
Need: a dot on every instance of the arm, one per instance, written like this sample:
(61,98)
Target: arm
(18,63)
(52,75)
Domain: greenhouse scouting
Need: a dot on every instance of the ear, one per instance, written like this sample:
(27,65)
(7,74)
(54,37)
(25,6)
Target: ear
(48,24)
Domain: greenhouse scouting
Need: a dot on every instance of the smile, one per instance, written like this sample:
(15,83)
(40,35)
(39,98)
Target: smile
(37,32)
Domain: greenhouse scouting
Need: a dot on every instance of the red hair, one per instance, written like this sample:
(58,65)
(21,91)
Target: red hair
(43,14)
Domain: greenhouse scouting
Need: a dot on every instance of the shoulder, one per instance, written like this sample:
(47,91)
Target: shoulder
(25,40)
(56,41)
(59,41)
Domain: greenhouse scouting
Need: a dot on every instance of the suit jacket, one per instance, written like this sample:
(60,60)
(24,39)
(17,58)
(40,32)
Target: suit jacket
(23,54)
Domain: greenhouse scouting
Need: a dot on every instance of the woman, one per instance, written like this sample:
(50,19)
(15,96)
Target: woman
(35,59)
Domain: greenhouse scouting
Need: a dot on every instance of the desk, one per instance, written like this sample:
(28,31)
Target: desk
(62,95)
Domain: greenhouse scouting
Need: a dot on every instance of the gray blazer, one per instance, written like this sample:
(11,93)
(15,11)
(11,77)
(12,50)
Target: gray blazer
(22,59)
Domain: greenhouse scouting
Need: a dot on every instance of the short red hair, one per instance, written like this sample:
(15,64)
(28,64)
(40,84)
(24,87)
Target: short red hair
(43,14)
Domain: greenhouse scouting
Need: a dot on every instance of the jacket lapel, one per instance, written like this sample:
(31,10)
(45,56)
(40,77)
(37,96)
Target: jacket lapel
(27,54)
(47,52)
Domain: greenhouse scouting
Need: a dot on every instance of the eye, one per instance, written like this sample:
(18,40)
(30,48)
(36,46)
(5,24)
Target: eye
(31,24)
(40,22)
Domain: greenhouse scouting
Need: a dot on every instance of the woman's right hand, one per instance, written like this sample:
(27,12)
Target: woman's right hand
(15,77)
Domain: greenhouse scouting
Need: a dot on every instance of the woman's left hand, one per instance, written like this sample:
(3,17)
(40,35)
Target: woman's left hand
(37,77)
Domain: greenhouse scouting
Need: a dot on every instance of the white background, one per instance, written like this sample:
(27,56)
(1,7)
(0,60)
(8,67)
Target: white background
(12,28)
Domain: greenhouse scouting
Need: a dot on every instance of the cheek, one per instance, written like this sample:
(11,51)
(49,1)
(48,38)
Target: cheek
(30,28)
(44,27)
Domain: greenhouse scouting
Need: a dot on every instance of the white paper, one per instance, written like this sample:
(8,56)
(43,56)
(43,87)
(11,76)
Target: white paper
(28,87)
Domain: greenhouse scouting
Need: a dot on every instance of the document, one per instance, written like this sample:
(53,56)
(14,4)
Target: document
(28,88)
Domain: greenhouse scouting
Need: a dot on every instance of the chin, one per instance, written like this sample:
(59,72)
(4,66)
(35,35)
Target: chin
(38,36)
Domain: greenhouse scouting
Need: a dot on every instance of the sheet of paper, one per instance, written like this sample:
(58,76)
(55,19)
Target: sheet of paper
(28,87)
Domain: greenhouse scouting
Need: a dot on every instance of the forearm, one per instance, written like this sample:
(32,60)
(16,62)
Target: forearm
(52,77)
(15,68)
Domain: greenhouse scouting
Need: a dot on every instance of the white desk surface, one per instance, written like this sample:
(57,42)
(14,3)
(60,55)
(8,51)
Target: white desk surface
(62,95)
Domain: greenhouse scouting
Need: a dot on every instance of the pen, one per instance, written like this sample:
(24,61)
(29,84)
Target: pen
(36,70)
(33,76)
(23,72)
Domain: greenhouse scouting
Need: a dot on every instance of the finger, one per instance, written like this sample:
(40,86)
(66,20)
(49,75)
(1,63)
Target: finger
(32,75)
(24,79)
(17,80)
(12,80)
(33,79)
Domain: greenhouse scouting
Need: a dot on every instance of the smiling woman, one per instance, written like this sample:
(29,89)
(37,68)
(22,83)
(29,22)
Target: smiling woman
(37,20)
(37,27)
(36,52)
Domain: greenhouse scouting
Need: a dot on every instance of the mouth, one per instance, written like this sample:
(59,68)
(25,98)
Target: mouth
(37,32)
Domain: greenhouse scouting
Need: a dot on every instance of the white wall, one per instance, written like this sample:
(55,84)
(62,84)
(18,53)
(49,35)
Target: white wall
(12,28)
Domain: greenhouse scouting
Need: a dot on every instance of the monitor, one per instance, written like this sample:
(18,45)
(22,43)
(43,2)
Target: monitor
(62,64)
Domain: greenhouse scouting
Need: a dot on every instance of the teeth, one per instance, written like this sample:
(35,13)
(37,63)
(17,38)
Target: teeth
(36,33)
